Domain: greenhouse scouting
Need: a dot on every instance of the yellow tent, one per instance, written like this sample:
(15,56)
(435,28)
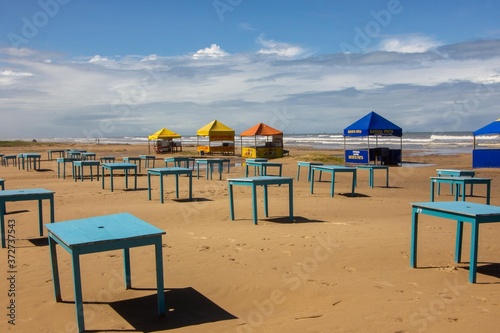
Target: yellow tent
(164,141)
(164,134)
(216,131)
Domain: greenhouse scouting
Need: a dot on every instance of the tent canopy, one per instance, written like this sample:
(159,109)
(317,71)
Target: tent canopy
(215,128)
(164,134)
(491,128)
(373,124)
(261,129)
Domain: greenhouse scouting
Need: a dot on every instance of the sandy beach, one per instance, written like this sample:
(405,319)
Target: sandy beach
(341,266)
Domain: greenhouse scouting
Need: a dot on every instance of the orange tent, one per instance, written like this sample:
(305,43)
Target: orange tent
(270,148)
(261,129)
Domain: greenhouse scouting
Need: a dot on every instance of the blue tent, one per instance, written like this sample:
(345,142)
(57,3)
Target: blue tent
(492,128)
(373,124)
(486,158)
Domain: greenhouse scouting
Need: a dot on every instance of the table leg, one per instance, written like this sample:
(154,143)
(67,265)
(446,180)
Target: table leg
(190,186)
(298,172)
(221,168)
(149,186)
(231,206)
(332,186)
(111,177)
(40,217)
(458,242)
(370,174)
(52,210)
(432,190)
(177,186)
(77,285)
(290,200)
(2,221)
(312,181)
(354,181)
(55,270)
(135,179)
(126,178)
(473,252)
(159,277)
(488,185)
(280,167)
(266,206)
(254,203)
(126,268)
(414,235)
(197,170)
(102,183)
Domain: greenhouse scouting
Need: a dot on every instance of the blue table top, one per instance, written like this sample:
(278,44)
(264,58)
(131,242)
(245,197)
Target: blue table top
(333,167)
(31,155)
(167,170)
(99,229)
(119,165)
(178,158)
(372,166)
(81,163)
(301,163)
(66,159)
(264,163)
(20,192)
(459,179)
(261,179)
(460,207)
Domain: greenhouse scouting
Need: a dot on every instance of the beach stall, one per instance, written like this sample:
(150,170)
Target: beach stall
(220,139)
(373,126)
(164,141)
(265,142)
(486,157)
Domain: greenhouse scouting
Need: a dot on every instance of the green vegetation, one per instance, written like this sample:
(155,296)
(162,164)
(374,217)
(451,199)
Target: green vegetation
(324,158)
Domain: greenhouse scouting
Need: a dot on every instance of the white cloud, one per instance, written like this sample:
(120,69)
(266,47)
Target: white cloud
(271,47)
(408,44)
(214,51)
(98,58)
(9,72)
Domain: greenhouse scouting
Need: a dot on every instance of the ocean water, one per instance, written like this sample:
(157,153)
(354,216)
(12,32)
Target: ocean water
(418,142)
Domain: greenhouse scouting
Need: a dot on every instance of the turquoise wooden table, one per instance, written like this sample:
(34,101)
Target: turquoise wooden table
(209,164)
(255,169)
(8,158)
(107,159)
(86,156)
(148,160)
(119,166)
(98,234)
(371,168)
(264,181)
(78,167)
(308,166)
(262,167)
(460,211)
(63,161)
(38,194)
(180,162)
(135,160)
(170,171)
(459,183)
(454,173)
(61,153)
(75,153)
(29,159)
(333,169)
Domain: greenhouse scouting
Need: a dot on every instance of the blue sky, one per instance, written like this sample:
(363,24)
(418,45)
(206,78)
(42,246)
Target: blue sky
(93,68)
